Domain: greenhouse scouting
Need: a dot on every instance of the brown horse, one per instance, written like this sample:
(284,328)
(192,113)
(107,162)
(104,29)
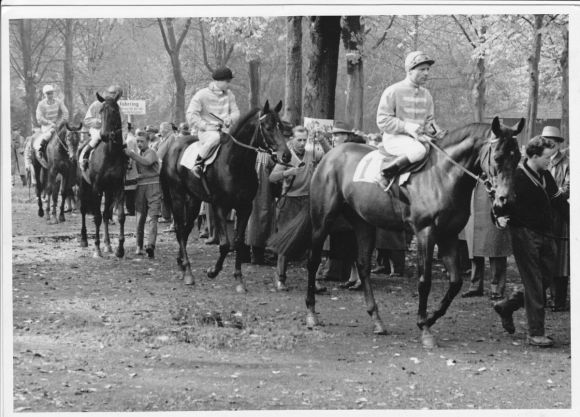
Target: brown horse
(105,175)
(61,163)
(436,203)
(231,180)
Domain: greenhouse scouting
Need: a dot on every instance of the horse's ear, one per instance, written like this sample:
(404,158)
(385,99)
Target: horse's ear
(118,96)
(80,127)
(519,127)
(266,108)
(101,99)
(278,107)
(496,127)
(67,127)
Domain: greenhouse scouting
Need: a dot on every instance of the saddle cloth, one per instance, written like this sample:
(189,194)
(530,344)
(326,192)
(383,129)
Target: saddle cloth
(190,156)
(370,167)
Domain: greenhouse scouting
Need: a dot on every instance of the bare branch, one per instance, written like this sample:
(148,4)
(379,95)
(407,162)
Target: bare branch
(16,66)
(164,37)
(182,36)
(203,46)
(382,39)
(228,54)
(464,31)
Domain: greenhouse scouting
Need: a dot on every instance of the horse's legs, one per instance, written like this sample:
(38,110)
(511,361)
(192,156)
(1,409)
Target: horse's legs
(425,246)
(84,203)
(120,251)
(242,217)
(48,190)
(98,218)
(449,252)
(365,237)
(314,258)
(191,207)
(64,193)
(39,187)
(221,225)
(107,215)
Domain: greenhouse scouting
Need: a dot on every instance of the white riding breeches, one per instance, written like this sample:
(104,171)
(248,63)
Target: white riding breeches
(208,140)
(404,145)
(95,137)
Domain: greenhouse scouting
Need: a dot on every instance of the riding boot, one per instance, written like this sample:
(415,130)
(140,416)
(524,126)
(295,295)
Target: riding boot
(86,152)
(393,169)
(506,308)
(41,152)
(198,166)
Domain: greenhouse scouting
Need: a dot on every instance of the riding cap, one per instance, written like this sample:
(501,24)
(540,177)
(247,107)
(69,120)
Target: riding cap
(552,132)
(417,58)
(183,127)
(115,89)
(140,132)
(341,127)
(223,73)
(48,89)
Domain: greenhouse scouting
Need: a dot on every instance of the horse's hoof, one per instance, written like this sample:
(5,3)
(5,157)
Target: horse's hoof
(120,252)
(61,218)
(241,289)
(84,243)
(428,340)
(311,321)
(97,254)
(108,249)
(380,329)
(188,280)
(40,213)
(211,273)
(280,286)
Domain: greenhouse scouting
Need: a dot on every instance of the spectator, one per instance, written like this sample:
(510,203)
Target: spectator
(533,244)
(295,190)
(485,240)
(148,194)
(131,175)
(560,170)
(17,155)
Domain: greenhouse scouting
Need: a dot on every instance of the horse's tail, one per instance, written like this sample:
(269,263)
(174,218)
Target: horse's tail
(295,238)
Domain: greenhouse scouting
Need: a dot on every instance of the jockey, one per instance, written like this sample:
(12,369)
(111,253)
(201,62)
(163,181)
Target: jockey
(49,113)
(218,99)
(93,122)
(406,113)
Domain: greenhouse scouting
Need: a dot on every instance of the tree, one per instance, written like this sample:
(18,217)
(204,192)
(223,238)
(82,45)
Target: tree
(31,57)
(67,29)
(293,80)
(353,39)
(173,47)
(564,124)
(534,76)
(319,93)
(477,40)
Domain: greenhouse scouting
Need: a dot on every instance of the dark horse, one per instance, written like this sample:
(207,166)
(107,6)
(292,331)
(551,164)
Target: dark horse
(61,159)
(435,200)
(231,179)
(105,175)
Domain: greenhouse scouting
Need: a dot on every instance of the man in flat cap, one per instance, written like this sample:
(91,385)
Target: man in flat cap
(217,99)
(405,114)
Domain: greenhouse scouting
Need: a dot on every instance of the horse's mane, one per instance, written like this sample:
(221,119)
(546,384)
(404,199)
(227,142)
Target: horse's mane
(457,135)
(242,122)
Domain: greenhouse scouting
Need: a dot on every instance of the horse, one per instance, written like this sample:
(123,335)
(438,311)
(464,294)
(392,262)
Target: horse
(105,175)
(61,161)
(435,201)
(231,180)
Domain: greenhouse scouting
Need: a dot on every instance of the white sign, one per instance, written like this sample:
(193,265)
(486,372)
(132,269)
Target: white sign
(132,106)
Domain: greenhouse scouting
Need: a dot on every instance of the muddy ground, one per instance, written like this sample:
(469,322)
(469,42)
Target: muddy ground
(127,335)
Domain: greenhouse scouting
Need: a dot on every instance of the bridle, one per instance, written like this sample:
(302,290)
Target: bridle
(257,131)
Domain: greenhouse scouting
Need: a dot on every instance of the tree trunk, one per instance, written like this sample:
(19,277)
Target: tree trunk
(564,93)
(254,83)
(353,40)
(478,90)
(533,70)
(173,48)
(293,87)
(68,66)
(320,88)
(29,84)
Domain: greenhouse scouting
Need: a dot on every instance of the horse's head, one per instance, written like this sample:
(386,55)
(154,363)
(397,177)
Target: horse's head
(111,127)
(272,129)
(500,165)
(72,140)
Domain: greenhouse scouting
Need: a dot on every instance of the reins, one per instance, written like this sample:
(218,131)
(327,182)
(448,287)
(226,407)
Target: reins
(254,136)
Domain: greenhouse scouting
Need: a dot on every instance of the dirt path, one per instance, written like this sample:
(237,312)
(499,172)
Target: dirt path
(127,335)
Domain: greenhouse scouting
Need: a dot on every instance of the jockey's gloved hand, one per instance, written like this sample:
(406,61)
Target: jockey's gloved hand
(441,134)
(413,129)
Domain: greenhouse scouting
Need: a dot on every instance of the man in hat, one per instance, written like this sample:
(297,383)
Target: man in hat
(405,114)
(560,170)
(93,122)
(216,99)
(49,113)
